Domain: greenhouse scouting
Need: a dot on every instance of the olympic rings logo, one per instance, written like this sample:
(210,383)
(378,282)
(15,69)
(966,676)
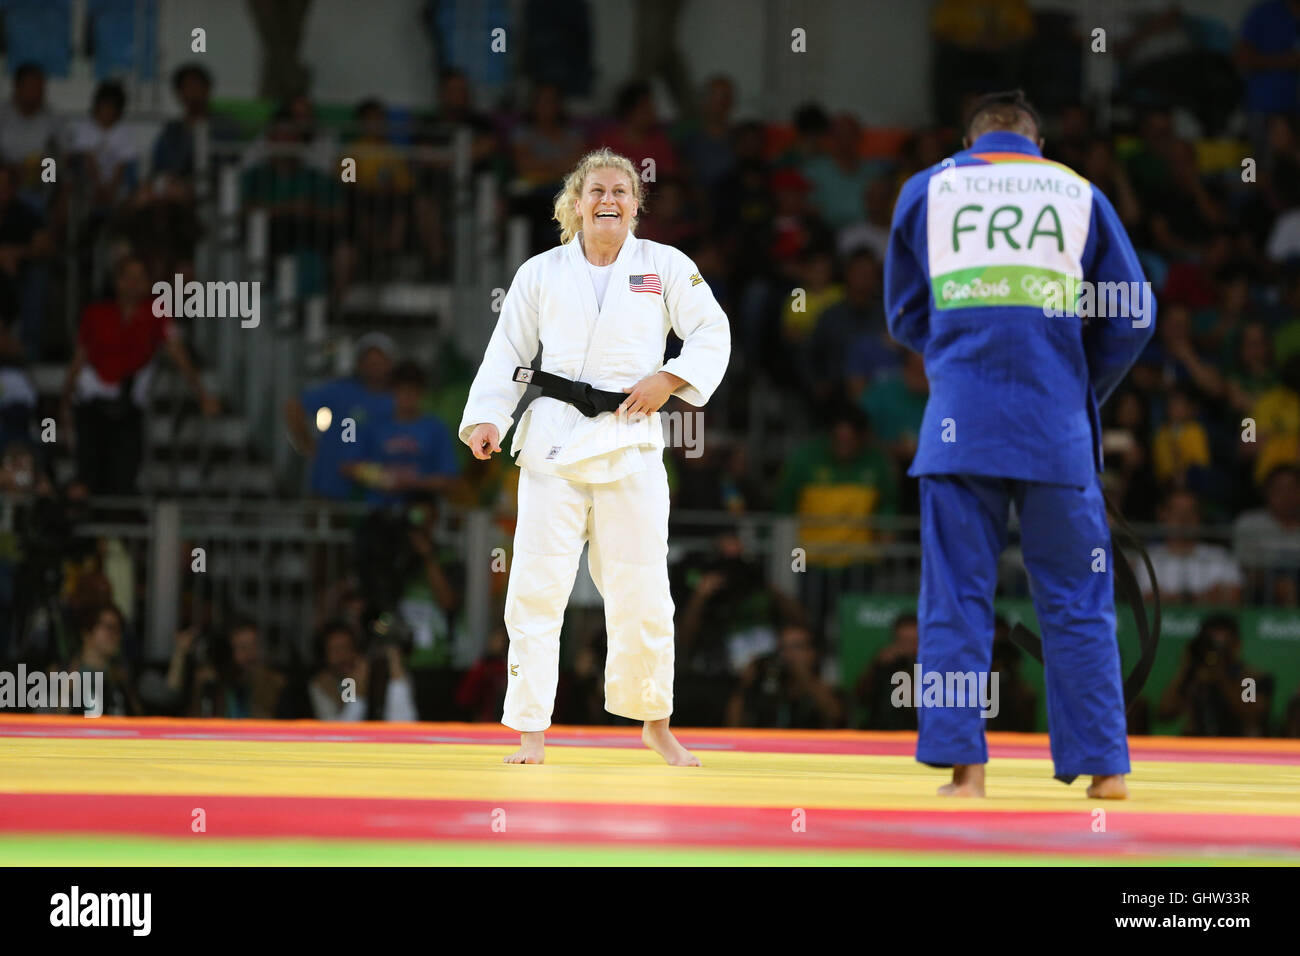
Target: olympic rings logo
(1040,287)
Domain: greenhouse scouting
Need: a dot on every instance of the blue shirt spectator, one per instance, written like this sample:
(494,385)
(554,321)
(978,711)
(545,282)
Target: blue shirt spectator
(1271,29)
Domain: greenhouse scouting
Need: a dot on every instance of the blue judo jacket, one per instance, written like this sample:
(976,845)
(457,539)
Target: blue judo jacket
(1013,277)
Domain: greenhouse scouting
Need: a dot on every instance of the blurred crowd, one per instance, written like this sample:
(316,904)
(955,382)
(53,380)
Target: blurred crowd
(788,222)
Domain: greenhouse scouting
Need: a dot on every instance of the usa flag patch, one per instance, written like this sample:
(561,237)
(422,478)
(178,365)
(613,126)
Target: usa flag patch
(646,283)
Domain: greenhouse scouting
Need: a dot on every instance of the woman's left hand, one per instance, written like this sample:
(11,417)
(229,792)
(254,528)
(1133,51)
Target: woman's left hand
(649,394)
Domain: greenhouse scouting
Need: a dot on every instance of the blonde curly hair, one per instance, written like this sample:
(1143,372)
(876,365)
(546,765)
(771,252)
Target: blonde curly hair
(604,158)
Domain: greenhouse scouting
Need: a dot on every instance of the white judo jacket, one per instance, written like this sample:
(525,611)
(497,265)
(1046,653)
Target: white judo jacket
(551,302)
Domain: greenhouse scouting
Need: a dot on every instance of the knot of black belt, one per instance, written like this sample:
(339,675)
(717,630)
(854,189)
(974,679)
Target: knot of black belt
(581,395)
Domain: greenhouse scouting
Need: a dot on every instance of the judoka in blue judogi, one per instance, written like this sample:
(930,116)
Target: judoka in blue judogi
(1004,270)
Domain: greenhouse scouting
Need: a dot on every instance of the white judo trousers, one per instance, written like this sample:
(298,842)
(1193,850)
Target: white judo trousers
(625,523)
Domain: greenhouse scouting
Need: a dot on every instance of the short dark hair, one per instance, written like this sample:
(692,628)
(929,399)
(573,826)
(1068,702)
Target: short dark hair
(88,618)
(28,69)
(110,91)
(331,627)
(851,414)
(1281,471)
(409,373)
(367,105)
(811,120)
(629,95)
(185,71)
(1003,110)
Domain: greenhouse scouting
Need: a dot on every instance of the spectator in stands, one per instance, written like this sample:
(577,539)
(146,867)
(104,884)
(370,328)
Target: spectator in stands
(433,170)
(876,685)
(1215,329)
(1181,212)
(1267,54)
(1182,446)
(672,219)
(239,682)
(326,420)
(839,485)
(100,630)
(1105,172)
(784,688)
(456,112)
(871,230)
(1192,281)
(1188,570)
(343,688)
(378,203)
(637,132)
(174,151)
(110,375)
(544,148)
(1286,337)
(706,139)
(318,147)
(811,126)
(1075,132)
(840,177)
(794,230)
(1276,414)
(20,471)
(1208,690)
(817,291)
(1251,372)
(406,453)
(727,613)
(897,404)
(17,390)
(482,690)
(711,476)
(28,129)
(858,316)
(25,251)
(1126,444)
(843,476)
(304,207)
(1267,540)
(105,149)
(1171,357)
(406,572)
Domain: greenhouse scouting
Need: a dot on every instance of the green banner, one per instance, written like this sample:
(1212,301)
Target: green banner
(1270,642)
(1004,285)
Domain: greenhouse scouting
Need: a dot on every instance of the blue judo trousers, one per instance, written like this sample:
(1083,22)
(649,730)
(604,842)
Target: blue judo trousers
(1013,277)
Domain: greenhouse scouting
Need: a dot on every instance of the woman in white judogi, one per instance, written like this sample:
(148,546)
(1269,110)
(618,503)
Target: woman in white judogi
(600,305)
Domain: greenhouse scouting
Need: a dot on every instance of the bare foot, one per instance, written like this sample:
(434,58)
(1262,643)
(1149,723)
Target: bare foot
(532,748)
(656,735)
(1110,787)
(967,781)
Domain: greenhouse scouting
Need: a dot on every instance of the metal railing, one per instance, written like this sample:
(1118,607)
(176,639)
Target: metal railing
(206,562)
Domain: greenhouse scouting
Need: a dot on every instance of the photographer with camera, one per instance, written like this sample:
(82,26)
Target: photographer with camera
(234,682)
(1208,692)
(351,685)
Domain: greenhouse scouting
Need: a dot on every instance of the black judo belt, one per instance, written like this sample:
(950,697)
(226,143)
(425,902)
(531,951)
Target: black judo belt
(590,401)
(1121,537)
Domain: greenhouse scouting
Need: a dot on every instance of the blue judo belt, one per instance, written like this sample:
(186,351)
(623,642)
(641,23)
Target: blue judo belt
(586,399)
(1121,536)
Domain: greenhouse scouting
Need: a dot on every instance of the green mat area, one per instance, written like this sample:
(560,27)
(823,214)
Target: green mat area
(95,850)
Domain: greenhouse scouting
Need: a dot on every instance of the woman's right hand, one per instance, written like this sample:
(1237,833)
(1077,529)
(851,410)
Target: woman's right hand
(484,440)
